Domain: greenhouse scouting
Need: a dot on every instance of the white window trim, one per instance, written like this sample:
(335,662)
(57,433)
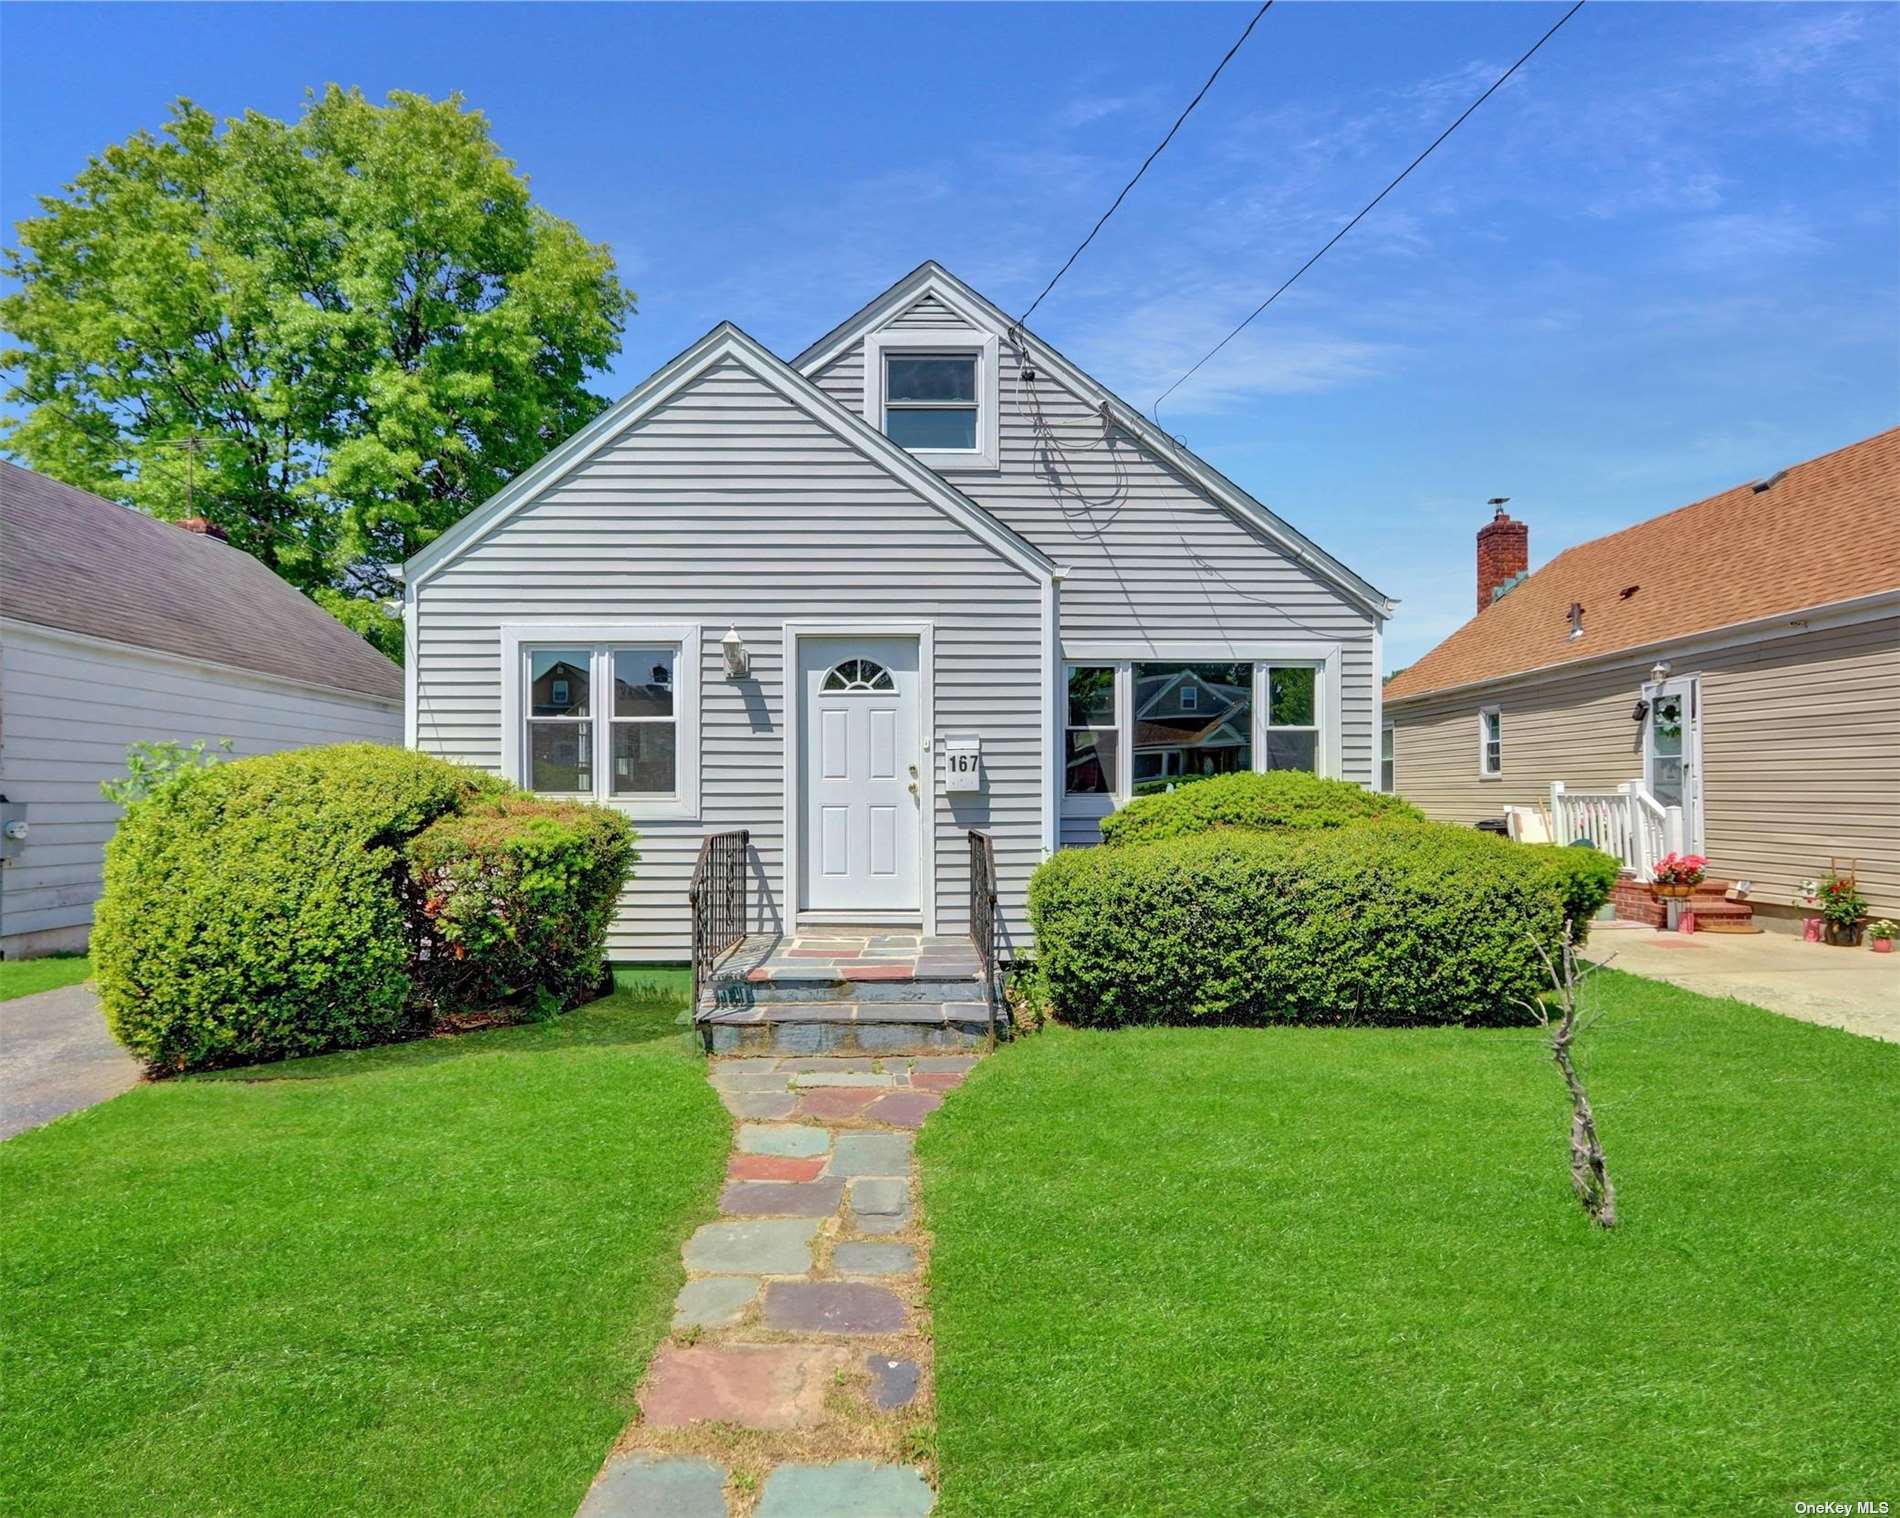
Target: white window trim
(1325,657)
(683,637)
(1379,760)
(1485,769)
(986,349)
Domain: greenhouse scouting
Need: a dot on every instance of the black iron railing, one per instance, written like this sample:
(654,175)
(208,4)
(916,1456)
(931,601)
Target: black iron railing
(983,923)
(719,901)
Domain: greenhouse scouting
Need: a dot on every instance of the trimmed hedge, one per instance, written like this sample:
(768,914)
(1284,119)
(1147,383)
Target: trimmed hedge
(259,909)
(1414,924)
(1276,801)
(1584,878)
(515,897)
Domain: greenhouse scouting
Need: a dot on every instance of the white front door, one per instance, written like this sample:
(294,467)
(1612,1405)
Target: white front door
(861,825)
(1672,752)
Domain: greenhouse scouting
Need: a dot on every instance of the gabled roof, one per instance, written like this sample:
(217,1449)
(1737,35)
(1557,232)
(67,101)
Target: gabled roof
(931,278)
(724,343)
(1821,532)
(79,563)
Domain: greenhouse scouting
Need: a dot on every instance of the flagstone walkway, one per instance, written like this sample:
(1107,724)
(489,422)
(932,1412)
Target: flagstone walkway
(797,1380)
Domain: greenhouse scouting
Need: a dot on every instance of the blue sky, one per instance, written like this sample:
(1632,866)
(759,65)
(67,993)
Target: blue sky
(1662,261)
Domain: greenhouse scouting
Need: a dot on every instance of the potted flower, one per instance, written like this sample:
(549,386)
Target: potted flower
(1678,874)
(1842,907)
(1882,934)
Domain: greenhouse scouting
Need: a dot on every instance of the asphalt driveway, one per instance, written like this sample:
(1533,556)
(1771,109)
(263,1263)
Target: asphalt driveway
(57,1057)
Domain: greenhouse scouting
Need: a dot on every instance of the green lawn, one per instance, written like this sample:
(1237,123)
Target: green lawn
(1222,1272)
(23,977)
(422,1279)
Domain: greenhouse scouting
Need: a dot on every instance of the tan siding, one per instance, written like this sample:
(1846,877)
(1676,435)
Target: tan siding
(1800,752)
(727,504)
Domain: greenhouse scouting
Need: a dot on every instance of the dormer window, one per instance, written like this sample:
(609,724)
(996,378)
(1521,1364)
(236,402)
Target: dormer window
(930,400)
(935,394)
(1190,698)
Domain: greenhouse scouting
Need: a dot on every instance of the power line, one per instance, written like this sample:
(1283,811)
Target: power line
(1155,409)
(1226,58)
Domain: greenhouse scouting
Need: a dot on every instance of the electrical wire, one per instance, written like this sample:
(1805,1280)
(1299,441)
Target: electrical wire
(1155,409)
(1225,59)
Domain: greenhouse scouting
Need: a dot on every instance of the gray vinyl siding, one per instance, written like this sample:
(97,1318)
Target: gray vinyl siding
(727,504)
(927,313)
(1800,750)
(72,706)
(1153,557)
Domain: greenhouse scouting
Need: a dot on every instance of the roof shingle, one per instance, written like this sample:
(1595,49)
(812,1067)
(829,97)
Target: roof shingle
(75,561)
(1824,531)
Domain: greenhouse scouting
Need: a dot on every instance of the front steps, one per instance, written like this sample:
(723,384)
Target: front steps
(879,993)
(1714,912)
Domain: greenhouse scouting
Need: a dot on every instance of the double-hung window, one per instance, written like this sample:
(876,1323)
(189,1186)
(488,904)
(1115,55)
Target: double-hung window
(604,712)
(1490,742)
(930,400)
(1292,717)
(935,394)
(1387,749)
(1091,740)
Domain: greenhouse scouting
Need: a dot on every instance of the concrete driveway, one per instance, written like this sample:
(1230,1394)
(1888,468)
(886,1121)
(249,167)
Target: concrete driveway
(56,1057)
(1838,988)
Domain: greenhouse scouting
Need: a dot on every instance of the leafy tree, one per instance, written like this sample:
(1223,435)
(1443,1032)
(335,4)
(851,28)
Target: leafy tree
(332,337)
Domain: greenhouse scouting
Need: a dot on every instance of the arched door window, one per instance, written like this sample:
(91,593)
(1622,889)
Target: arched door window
(857,675)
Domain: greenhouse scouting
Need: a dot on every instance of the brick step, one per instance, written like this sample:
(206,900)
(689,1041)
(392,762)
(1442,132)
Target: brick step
(1714,912)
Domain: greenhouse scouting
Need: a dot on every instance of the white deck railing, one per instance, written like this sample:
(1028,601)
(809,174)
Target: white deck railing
(1627,822)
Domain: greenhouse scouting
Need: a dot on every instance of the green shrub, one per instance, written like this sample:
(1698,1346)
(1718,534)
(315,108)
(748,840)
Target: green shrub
(264,908)
(1277,801)
(1584,878)
(515,897)
(1415,924)
(251,909)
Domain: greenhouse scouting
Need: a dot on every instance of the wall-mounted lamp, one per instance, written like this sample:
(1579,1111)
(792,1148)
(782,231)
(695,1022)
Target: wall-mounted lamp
(738,656)
(1659,671)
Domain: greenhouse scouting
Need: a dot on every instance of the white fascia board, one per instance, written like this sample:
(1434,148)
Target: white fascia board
(722,343)
(934,279)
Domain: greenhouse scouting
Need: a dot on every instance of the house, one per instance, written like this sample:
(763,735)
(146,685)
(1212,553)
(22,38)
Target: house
(1723,680)
(927,579)
(116,628)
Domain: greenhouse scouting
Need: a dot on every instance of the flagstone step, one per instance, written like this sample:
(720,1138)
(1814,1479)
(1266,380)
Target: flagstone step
(868,984)
(847,1027)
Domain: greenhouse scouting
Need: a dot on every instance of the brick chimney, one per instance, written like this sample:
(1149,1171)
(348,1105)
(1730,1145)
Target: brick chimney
(204,527)
(1504,551)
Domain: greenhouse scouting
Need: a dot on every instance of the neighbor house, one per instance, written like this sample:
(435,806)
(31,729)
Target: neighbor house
(116,628)
(1722,680)
(926,579)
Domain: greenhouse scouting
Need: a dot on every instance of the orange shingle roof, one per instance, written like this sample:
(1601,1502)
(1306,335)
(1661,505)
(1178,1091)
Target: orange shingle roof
(1827,530)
